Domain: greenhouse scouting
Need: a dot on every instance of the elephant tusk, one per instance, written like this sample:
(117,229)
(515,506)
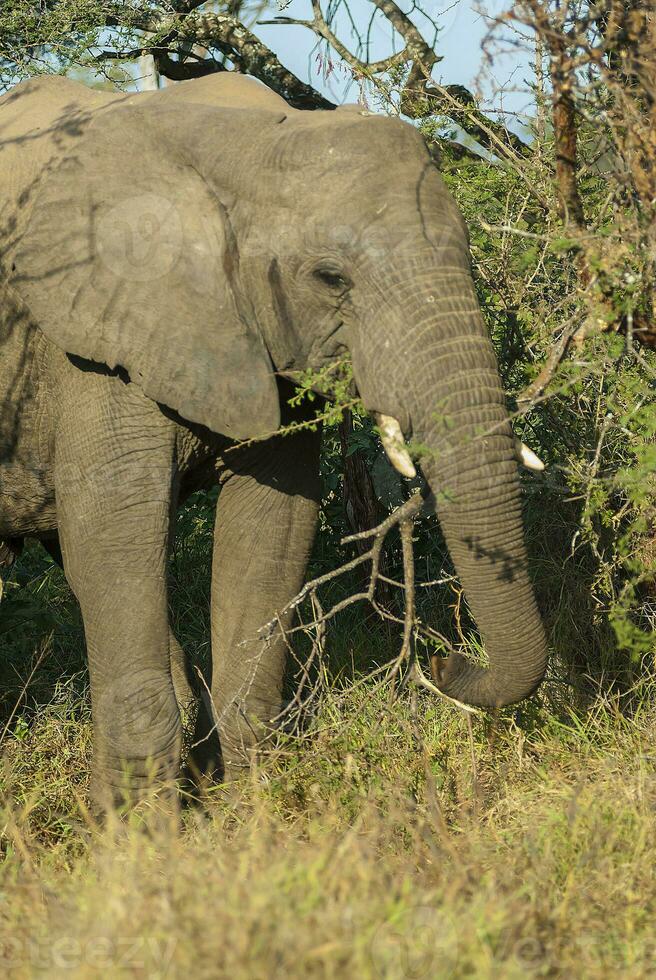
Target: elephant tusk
(527,457)
(394,445)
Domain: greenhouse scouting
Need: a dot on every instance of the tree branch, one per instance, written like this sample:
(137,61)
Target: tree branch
(229,36)
(320,27)
(253,56)
(420,52)
(457,102)
(180,71)
(417,52)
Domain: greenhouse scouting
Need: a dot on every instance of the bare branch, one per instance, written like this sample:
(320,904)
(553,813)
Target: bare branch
(322,29)
(233,39)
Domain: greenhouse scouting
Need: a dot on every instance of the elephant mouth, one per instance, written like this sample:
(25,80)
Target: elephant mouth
(329,346)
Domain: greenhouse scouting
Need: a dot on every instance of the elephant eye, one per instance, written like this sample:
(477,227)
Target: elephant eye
(333,279)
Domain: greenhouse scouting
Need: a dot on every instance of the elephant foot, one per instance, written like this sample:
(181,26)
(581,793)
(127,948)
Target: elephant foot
(153,807)
(222,759)
(137,784)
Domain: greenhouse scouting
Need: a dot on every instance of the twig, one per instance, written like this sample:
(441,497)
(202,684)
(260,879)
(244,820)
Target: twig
(537,387)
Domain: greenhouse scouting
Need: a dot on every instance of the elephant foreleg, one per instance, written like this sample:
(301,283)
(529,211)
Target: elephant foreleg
(184,690)
(265,526)
(114,476)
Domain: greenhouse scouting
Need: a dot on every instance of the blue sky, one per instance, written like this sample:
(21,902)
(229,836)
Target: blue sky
(462,30)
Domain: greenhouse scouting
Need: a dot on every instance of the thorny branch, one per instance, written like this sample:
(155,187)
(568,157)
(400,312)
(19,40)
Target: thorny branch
(405,668)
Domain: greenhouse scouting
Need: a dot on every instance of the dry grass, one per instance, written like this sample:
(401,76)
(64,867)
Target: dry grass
(528,850)
(522,846)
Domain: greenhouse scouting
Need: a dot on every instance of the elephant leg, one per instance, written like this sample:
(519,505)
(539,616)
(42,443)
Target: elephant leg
(184,691)
(185,694)
(114,474)
(265,525)
(53,548)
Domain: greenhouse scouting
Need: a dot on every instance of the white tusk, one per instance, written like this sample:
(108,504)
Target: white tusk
(394,445)
(527,457)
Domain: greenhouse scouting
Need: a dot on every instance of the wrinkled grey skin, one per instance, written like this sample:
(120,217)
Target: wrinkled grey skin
(168,260)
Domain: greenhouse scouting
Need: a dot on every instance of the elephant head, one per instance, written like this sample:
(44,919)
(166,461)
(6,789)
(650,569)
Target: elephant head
(205,250)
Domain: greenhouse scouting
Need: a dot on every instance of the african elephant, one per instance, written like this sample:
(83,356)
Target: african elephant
(170,261)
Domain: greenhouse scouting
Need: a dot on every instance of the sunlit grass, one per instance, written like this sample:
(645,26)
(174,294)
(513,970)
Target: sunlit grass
(383,842)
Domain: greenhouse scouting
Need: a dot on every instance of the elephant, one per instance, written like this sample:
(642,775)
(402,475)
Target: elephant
(170,263)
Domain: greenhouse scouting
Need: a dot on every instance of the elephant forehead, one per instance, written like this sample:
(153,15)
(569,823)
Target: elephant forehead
(351,237)
(352,211)
(340,141)
(352,221)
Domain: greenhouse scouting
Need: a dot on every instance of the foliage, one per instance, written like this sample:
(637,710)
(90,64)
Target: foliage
(37,38)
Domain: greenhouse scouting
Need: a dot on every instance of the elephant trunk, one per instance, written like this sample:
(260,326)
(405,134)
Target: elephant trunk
(444,384)
(479,508)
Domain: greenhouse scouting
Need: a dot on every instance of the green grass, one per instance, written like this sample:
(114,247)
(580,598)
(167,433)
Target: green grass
(386,841)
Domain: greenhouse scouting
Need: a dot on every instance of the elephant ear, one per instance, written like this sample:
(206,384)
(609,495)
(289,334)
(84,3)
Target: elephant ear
(130,259)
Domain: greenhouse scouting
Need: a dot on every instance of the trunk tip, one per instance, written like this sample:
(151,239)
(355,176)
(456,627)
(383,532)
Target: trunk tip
(482,687)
